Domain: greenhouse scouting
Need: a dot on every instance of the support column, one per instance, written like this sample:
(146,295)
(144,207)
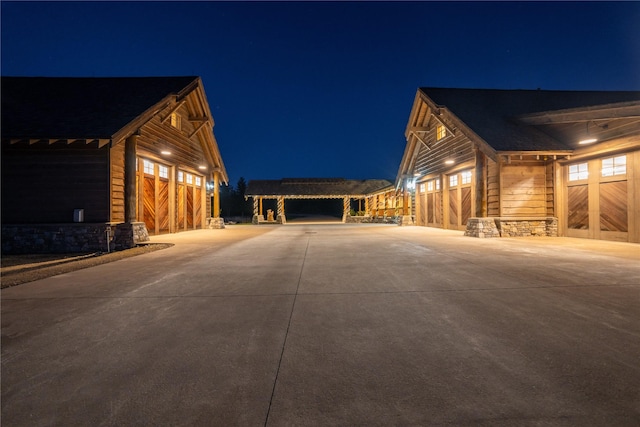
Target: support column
(130,160)
(215,221)
(480,184)
(282,219)
(257,210)
(406,218)
(366,207)
(346,208)
(131,231)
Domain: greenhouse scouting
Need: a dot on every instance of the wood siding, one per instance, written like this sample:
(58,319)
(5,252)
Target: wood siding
(116,158)
(522,191)
(49,181)
(493,188)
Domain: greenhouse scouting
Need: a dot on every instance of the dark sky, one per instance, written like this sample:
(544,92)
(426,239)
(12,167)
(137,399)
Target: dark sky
(306,89)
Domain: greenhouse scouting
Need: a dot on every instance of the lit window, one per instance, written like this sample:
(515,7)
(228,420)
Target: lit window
(614,166)
(148,167)
(198,181)
(578,172)
(453,180)
(437,184)
(163,171)
(422,188)
(465,177)
(180,176)
(174,120)
(430,186)
(441,132)
(189,178)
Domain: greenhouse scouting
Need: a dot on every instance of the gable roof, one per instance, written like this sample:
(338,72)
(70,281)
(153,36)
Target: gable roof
(316,187)
(492,113)
(81,107)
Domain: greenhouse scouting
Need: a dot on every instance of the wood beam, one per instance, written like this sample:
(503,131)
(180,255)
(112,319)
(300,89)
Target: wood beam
(582,115)
(173,110)
(199,128)
(197,119)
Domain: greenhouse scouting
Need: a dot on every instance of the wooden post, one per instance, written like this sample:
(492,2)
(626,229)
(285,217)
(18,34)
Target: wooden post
(366,207)
(261,206)
(130,159)
(405,197)
(481,187)
(255,206)
(216,194)
(346,208)
(281,216)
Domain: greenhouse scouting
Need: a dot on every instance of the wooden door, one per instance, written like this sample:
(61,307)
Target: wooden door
(149,203)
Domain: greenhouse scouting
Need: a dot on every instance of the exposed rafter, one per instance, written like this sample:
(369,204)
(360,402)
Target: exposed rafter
(199,128)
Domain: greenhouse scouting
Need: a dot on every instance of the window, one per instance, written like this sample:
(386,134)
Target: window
(148,167)
(614,166)
(180,176)
(163,171)
(437,184)
(578,172)
(453,180)
(174,120)
(189,178)
(198,181)
(430,186)
(465,177)
(441,132)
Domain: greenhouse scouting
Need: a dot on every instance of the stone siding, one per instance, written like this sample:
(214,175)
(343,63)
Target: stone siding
(71,238)
(512,227)
(371,219)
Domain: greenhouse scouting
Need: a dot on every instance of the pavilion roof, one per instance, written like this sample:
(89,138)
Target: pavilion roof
(316,187)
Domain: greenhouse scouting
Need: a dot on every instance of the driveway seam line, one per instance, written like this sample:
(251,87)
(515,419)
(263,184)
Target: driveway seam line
(286,334)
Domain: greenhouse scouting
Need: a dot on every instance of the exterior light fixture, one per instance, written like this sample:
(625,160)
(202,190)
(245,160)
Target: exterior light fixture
(449,162)
(588,138)
(202,167)
(165,152)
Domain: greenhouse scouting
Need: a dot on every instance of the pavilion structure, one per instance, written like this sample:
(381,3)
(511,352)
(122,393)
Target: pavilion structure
(378,196)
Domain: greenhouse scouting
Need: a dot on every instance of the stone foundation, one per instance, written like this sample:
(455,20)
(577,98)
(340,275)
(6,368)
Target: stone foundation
(215,223)
(512,227)
(71,238)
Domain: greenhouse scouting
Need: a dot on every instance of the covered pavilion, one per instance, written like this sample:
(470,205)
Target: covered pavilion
(378,195)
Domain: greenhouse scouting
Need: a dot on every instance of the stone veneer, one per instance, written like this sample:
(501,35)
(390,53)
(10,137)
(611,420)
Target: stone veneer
(367,219)
(215,223)
(71,238)
(512,227)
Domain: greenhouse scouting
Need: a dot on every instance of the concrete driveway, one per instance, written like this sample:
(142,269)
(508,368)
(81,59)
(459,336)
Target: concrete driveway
(318,325)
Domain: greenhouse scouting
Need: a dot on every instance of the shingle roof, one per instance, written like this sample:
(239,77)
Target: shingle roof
(490,113)
(337,187)
(79,107)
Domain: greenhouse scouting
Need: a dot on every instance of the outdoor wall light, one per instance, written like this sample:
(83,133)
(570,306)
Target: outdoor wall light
(589,139)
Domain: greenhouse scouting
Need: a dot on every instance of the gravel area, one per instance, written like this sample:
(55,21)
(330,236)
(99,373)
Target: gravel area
(18,269)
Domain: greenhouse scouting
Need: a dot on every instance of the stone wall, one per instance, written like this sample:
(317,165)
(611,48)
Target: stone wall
(371,219)
(512,227)
(71,238)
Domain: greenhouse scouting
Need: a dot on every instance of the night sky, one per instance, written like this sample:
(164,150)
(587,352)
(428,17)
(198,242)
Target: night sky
(305,89)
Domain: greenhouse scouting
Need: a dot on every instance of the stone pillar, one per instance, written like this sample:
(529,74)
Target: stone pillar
(282,219)
(346,208)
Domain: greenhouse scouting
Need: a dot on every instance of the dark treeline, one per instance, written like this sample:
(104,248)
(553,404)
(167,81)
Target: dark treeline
(232,202)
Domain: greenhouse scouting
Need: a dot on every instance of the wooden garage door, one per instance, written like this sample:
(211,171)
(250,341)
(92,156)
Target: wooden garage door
(597,204)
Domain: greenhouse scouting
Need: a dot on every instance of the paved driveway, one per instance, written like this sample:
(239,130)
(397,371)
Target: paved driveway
(331,325)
